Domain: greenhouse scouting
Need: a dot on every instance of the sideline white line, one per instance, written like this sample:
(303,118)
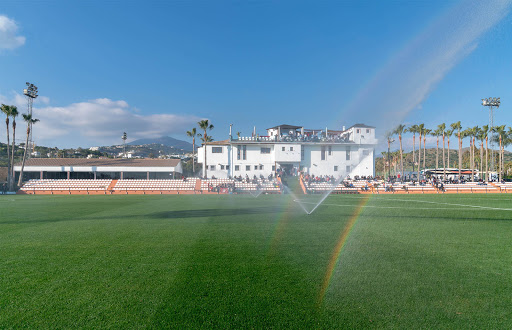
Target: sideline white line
(452,204)
(384,207)
(416,208)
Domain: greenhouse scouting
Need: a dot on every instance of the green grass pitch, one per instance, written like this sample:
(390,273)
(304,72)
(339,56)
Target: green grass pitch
(408,261)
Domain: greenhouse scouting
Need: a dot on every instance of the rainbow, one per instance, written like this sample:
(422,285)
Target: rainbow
(339,247)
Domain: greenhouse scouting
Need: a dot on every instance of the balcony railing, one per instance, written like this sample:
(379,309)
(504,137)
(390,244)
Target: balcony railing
(289,138)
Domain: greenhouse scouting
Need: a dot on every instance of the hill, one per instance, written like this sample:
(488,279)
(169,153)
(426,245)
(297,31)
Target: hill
(166,141)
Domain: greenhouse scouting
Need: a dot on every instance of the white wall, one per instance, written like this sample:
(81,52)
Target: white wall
(360,164)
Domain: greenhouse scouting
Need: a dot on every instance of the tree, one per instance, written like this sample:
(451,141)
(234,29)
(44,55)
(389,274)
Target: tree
(14,114)
(426,131)
(30,121)
(437,133)
(6,109)
(442,131)
(507,140)
(205,126)
(500,131)
(485,133)
(208,138)
(473,132)
(192,133)
(464,134)
(389,139)
(413,129)
(481,136)
(421,127)
(448,133)
(457,127)
(399,130)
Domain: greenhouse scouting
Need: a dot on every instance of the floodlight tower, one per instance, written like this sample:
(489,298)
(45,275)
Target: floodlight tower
(491,103)
(31,93)
(124,137)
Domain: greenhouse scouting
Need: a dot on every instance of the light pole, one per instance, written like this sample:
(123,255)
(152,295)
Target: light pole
(31,93)
(491,103)
(124,137)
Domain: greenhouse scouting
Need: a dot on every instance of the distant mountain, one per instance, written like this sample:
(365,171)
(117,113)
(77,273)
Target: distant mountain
(166,141)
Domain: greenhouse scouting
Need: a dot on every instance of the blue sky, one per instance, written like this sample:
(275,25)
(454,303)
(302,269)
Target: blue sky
(156,68)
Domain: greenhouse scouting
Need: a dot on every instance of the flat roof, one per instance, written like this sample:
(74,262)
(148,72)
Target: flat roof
(285,126)
(114,162)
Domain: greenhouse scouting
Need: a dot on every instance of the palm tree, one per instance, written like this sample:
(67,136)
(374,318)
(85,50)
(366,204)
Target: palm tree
(437,133)
(6,109)
(474,133)
(192,133)
(205,126)
(448,133)
(442,130)
(481,136)
(506,142)
(389,138)
(500,131)
(485,133)
(464,134)
(208,138)
(426,132)
(399,130)
(30,121)
(14,114)
(421,127)
(413,129)
(457,127)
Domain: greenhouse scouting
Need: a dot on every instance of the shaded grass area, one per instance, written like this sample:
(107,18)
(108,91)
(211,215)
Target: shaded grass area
(239,261)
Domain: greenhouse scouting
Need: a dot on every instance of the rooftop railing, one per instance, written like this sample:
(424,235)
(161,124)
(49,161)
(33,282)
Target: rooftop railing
(290,138)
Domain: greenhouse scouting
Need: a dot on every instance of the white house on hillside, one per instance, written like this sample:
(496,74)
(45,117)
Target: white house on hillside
(292,149)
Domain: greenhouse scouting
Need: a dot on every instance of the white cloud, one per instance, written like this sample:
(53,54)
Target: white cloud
(8,34)
(98,122)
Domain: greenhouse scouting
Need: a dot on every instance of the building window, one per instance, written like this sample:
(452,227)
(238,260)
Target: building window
(222,167)
(244,152)
(367,131)
(212,167)
(348,155)
(335,168)
(237,167)
(291,148)
(283,149)
(247,167)
(238,151)
(216,150)
(366,152)
(330,150)
(255,167)
(227,167)
(261,167)
(348,169)
(358,130)
(265,150)
(323,153)
(301,152)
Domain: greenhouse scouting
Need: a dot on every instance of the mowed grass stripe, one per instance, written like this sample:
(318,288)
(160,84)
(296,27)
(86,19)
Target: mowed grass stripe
(239,261)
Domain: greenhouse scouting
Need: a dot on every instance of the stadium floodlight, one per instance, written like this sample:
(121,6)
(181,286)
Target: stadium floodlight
(491,103)
(31,93)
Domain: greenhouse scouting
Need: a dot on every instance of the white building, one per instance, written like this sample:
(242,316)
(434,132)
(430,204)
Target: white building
(292,149)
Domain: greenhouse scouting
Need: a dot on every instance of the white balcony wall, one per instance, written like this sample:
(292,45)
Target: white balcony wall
(287,152)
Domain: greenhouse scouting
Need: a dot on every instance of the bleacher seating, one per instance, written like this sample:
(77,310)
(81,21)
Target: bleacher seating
(243,186)
(470,187)
(504,187)
(66,185)
(155,185)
